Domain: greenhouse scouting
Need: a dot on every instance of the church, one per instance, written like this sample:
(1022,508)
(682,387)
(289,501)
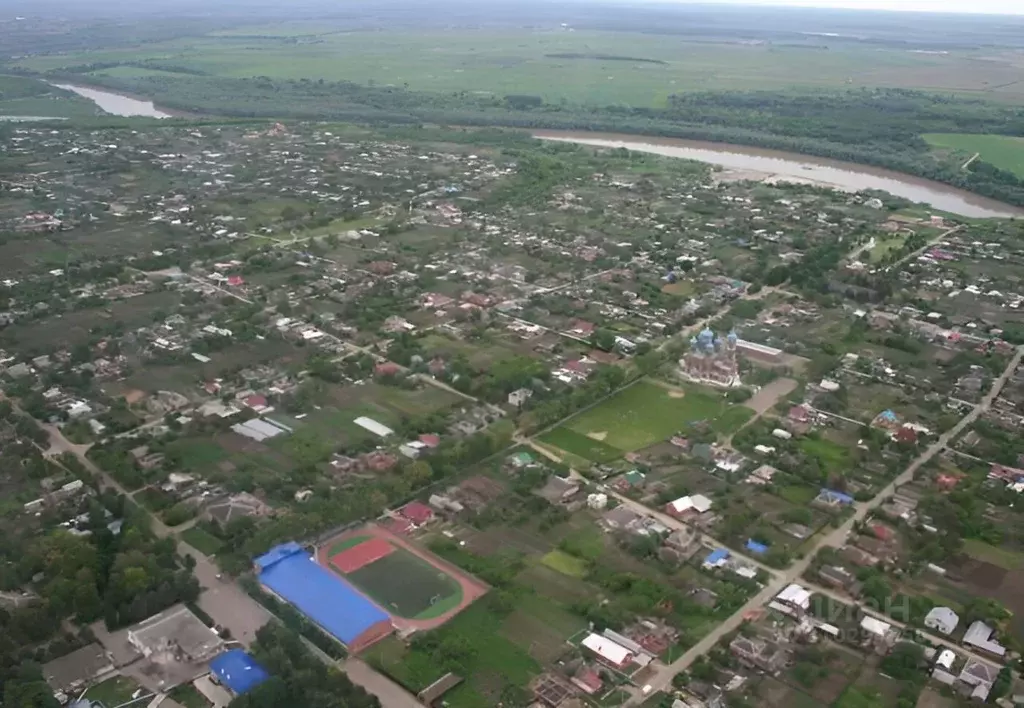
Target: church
(712,360)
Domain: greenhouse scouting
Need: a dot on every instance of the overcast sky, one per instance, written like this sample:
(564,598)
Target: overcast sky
(1006,7)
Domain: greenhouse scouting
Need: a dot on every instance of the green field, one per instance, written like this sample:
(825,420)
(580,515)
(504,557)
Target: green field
(189,696)
(884,246)
(830,454)
(113,691)
(202,541)
(1003,557)
(642,415)
(580,445)
(583,66)
(424,592)
(20,96)
(798,494)
(491,661)
(1002,151)
(565,563)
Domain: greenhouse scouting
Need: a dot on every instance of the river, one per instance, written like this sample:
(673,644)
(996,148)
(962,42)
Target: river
(115,103)
(774,165)
(743,162)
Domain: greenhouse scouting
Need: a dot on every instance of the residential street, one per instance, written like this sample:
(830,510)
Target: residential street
(662,679)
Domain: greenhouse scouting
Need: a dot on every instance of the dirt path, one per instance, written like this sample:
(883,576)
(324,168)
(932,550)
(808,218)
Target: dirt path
(765,399)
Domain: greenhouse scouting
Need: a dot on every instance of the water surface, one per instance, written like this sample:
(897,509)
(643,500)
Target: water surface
(775,165)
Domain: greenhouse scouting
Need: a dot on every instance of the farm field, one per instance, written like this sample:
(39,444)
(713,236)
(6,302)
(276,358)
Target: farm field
(1002,151)
(583,66)
(565,564)
(642,415)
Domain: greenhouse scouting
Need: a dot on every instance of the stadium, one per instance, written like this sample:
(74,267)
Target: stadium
(363,585)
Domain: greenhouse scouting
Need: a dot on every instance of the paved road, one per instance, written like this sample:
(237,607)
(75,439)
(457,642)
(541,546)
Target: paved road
(662,677)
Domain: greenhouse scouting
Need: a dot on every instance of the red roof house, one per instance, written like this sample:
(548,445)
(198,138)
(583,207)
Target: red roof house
(588,680)
(387,368)
(430,440)
(947,482)
(256,402)
(417,512)
(799,414)
(906,435)
(236,280)
(882,532)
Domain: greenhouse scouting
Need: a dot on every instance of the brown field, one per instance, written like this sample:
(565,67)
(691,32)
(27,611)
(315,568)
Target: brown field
(772,692)
(931,698)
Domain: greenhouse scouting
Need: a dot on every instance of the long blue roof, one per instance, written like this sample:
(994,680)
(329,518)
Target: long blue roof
(319,594)
(238,671)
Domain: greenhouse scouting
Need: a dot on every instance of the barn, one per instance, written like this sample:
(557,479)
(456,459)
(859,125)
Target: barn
(290,573)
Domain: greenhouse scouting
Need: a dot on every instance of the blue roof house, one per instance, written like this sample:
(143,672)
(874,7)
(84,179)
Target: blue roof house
(238,672)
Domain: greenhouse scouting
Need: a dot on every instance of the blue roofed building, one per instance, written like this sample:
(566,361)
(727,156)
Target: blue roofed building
(238,672)
(755,547)
(830,498)
(716,559)
(288,572)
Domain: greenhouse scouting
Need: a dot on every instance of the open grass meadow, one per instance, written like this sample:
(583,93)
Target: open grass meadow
(576,65)
(1003,151)
(642,415)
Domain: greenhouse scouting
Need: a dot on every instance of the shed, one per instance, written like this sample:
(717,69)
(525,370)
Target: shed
(378,429)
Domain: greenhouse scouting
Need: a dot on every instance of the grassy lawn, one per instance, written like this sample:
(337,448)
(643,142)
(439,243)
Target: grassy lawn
(202,541)
(1002,151)
(491,661)
(885,246)
(830,454)
(564,563)
(188,696)
(1004,558)
(578,444)
(113,692)
(646,413)
(798,494)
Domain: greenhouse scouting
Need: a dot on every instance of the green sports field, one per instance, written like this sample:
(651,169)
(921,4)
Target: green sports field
(402,583)
(1002,151)
(642,415)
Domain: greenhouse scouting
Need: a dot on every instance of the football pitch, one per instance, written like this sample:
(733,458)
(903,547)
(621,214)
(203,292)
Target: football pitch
(642,415)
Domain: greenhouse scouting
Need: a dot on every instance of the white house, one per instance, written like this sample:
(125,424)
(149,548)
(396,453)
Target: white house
(796,596)
(697,503)
(942,619)
(519,397)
